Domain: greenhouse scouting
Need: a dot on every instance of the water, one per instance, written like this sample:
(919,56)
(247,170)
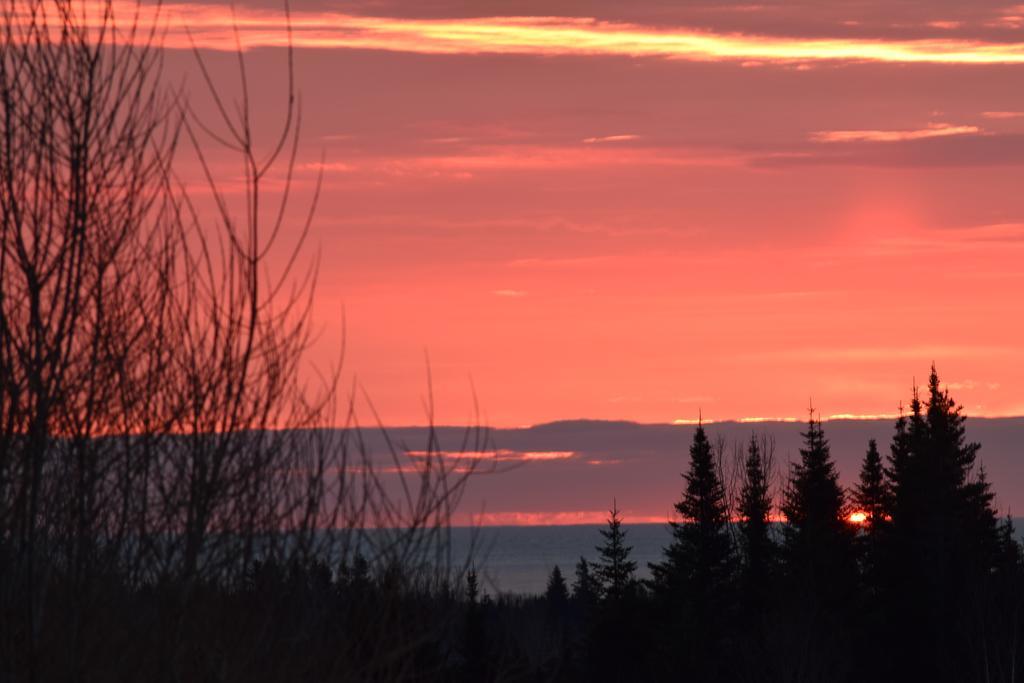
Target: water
(519,559)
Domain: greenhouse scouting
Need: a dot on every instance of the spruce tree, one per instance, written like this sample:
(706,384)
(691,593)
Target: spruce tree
(700,555)
(871,497)
(556,598)
(694,581)
(942,507)
(946,542)
(818,541)
(475,637)
(759,550)
(557,593)
(585,588)
(614,570)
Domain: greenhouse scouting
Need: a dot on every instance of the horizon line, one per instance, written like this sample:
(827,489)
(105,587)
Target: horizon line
(683,422)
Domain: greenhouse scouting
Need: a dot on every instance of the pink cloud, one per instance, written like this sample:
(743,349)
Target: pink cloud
(557,518)
(932,130)
(610,138)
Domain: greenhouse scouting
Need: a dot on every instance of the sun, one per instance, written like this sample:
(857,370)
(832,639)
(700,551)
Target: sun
(857,517)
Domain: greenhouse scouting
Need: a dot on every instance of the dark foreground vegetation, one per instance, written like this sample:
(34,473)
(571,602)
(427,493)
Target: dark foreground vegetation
(910,576)
(174,508)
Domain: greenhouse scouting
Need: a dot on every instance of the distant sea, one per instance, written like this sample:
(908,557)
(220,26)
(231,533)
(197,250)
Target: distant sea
(519,559)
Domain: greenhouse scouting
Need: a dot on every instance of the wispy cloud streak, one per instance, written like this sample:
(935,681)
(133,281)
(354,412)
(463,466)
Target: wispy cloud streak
(212,27)
(935,130)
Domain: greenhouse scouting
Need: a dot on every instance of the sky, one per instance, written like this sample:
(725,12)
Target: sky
(648,211)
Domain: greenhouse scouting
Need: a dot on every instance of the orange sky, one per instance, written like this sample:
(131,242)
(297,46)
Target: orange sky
(641,211)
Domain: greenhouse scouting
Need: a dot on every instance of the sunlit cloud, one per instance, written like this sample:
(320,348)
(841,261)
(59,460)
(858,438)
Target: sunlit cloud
(543,455)
(610,138)
(214,27)
(328,167)
(1002,114)
(970,384)
(945,25)
(511,293)
(862,416)
(502,455)
(933,130)
(560,518)
(464,163)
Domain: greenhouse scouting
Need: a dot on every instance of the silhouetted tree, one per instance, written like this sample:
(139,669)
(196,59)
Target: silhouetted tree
(945,540)
(475,638)
(557,592)
(817,536)
(585,588)
(759,549)
(820,560)
(872,499)
(557,625)
(614,570)
(694,581)
(158,435)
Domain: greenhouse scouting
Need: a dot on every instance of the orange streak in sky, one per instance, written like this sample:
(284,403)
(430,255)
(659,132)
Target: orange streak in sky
(935,130)
(213,27)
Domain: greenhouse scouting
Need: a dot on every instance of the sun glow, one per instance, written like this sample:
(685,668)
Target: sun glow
(857,517)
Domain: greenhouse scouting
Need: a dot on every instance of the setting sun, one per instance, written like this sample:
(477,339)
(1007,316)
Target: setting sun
(857,517)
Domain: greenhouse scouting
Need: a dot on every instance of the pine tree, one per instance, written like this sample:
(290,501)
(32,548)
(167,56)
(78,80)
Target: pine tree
(759,550)
(818,541)
(941,506)
(557,593)
(694,581)
(475,637)
(871,497)
(615,571)
(700,554)
(584,588)
(945,545)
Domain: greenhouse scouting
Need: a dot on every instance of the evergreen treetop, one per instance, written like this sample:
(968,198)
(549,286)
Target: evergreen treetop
(557,593)
(814,500)
(871,496)
(759,550)
(701,550)
(585,587)
(755,499)
(615,570)
(818,540)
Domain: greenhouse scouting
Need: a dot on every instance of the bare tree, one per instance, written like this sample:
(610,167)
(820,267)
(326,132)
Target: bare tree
(156,429)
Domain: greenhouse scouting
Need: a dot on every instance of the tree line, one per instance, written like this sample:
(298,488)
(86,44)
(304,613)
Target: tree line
(910,575)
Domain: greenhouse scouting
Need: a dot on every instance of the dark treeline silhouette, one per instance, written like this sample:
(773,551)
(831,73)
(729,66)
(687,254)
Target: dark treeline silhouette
(909,576)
